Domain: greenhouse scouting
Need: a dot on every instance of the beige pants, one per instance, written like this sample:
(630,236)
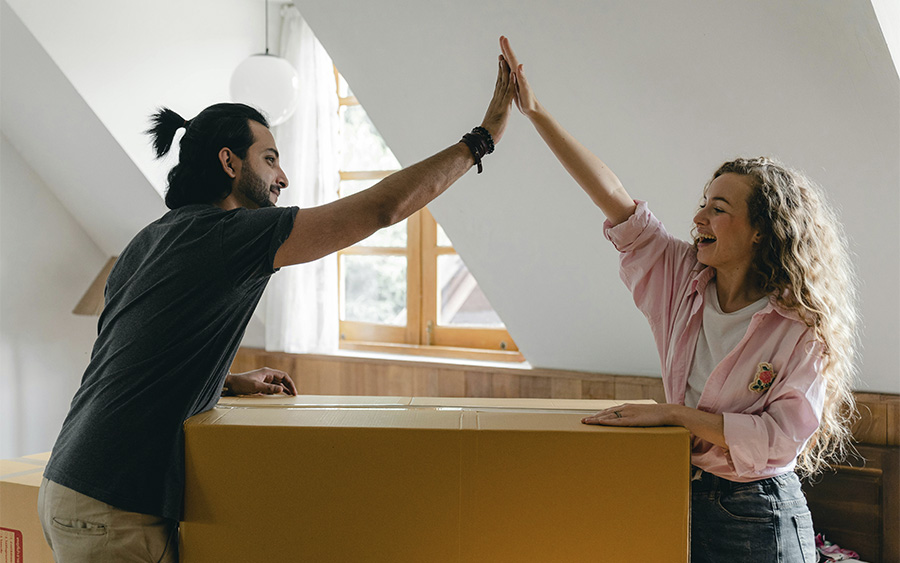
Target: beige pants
(82,529)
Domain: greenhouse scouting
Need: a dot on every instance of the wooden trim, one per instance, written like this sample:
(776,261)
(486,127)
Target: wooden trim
(431,331)
(413,279)
(445,352)
(370,332)
(428,317)
(488,338)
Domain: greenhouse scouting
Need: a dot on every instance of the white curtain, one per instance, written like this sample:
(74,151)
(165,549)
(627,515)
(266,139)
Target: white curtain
(302,301)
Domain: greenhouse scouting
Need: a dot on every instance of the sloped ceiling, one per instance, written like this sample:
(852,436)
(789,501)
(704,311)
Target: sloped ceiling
(58,134)
(664,92)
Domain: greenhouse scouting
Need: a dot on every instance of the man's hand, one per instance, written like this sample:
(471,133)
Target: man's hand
(267,381)
(497,113)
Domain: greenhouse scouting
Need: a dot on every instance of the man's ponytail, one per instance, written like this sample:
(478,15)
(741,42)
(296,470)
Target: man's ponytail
(163,125)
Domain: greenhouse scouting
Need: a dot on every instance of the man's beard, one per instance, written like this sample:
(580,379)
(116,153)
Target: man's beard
(254,188)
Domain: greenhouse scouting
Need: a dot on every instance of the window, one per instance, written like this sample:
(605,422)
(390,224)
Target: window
(405,289)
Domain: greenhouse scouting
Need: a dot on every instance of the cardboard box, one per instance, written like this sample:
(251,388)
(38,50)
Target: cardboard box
(399,479)
(21,537)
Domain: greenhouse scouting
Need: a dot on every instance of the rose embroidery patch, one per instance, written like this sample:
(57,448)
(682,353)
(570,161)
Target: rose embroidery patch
(765,375)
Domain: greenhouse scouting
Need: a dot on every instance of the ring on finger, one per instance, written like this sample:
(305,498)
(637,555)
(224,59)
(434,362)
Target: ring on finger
(618,414)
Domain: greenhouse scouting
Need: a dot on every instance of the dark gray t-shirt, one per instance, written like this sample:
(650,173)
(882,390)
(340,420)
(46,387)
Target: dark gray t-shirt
(177,302)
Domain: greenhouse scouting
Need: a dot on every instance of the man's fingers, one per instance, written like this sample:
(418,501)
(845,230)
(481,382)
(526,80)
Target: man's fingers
(288,384)
(269,388)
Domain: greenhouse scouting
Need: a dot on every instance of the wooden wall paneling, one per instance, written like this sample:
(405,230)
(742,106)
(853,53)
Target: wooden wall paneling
(890,463)
(565,388)
(478,384)
(535,387)
(639,388)
(329,381)
(598,389)
(893,426)
(306,377)
(451,383)
(504,385)
(871,426)
(846,507)
(398,381)
(425,381)
(856,504)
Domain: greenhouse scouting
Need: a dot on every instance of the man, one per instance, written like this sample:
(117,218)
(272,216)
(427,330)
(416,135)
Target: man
(177,303)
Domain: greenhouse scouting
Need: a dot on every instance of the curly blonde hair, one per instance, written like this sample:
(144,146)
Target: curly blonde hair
(804,261)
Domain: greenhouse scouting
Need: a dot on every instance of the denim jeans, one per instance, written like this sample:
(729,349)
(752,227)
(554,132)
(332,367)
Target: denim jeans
(760,522)
(81,529)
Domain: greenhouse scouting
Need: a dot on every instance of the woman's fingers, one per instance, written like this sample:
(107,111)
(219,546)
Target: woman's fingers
(524,97)
(508,53)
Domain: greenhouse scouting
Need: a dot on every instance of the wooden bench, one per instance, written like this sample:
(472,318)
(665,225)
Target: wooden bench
(857,505)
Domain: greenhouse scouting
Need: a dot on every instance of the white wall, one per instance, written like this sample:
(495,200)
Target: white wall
(47,261)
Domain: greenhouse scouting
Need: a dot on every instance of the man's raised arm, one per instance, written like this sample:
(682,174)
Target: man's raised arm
(319,231)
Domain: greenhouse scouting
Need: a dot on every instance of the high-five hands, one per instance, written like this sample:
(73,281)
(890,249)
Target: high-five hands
(525,100)
(497,113)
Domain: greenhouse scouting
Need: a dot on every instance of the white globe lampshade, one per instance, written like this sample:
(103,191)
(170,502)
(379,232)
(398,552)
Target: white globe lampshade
(268,83)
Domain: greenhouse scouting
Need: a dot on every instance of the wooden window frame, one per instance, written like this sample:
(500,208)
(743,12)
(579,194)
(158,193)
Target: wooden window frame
(422,334)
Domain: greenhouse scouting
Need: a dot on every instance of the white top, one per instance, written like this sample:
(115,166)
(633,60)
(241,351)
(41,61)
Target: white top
(719,334)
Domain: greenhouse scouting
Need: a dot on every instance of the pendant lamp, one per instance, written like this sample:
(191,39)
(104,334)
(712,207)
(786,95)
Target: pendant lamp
(268,83)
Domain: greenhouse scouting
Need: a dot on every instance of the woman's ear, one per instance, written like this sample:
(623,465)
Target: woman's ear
(229,162)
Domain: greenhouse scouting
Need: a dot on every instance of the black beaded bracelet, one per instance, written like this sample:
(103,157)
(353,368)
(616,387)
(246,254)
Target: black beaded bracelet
(487,137)
(480,143)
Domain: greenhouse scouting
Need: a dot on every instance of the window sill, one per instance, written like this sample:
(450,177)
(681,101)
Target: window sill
(433,354)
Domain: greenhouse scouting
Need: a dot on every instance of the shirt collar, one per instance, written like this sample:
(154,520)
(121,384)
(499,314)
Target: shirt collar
(702,278)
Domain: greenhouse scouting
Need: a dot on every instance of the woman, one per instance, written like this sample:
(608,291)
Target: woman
(755,327)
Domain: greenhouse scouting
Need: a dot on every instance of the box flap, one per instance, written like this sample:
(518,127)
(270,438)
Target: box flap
(15,466)
(30,478)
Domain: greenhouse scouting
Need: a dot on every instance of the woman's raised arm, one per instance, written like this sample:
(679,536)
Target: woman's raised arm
(600,183)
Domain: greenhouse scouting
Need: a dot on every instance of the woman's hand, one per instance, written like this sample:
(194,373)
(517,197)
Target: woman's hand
(633,415)
(267,381)
(704,425)
(525,100)
(497,113)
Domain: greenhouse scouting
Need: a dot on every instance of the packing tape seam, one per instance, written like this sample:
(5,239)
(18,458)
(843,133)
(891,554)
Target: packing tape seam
(20,473)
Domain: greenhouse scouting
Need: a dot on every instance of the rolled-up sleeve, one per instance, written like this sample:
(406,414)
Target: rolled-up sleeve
(653,264)
(776,436)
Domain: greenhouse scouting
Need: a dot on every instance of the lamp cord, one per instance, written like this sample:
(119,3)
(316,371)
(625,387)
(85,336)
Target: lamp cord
(267,26)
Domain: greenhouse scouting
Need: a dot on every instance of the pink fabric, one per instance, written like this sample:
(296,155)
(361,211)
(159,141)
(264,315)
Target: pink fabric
(764,431)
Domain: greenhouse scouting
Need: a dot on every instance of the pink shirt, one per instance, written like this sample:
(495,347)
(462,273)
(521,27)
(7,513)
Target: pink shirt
(766,428)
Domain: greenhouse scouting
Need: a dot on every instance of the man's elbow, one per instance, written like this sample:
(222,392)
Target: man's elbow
(387,214)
